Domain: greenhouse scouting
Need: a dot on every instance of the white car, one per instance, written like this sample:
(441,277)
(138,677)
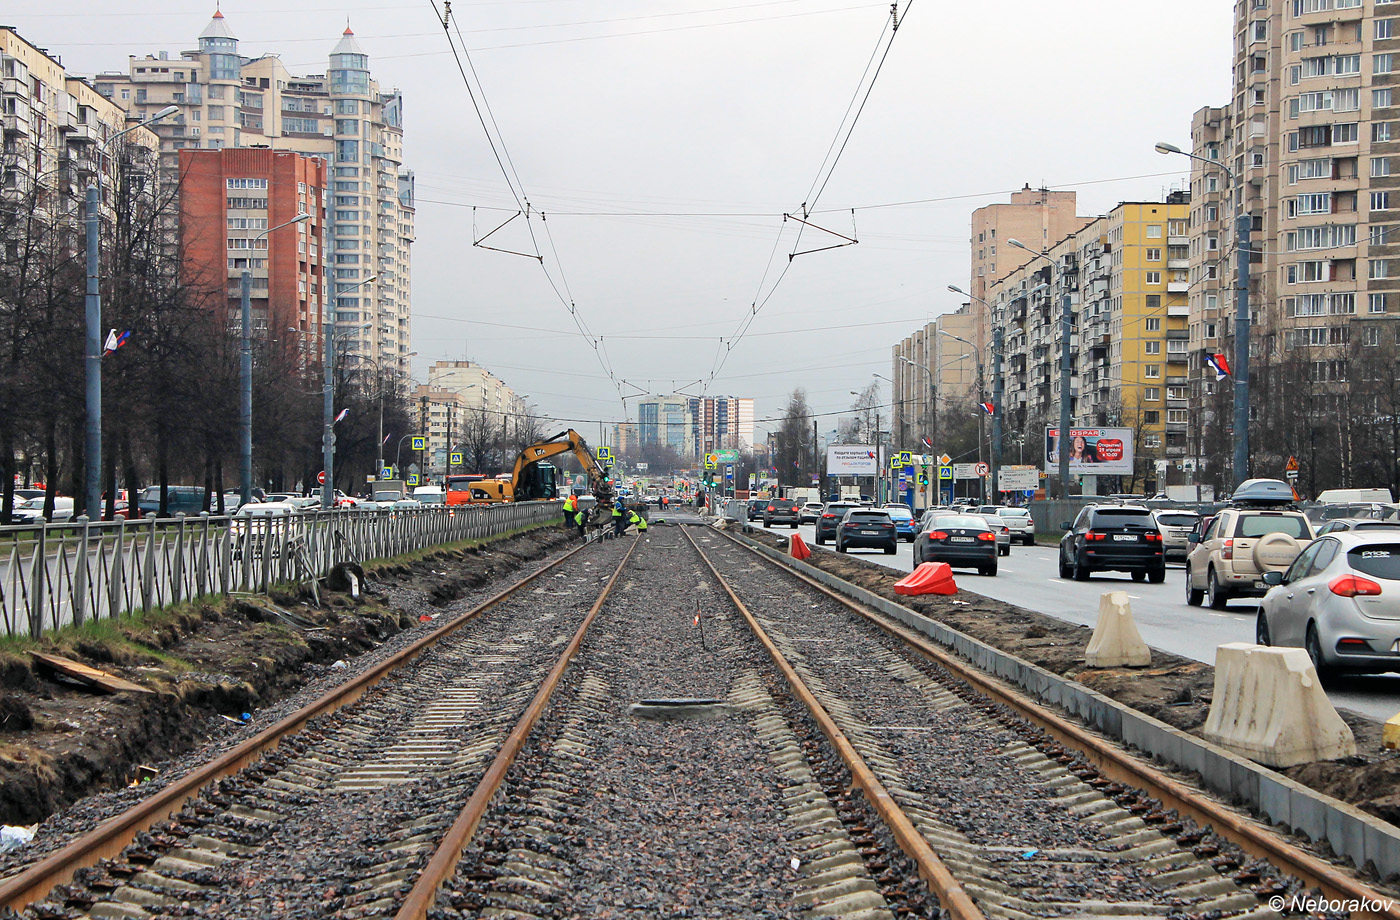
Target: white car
(31,511)
(810,512)
(1020,523)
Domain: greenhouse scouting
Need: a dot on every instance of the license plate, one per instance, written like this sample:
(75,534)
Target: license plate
(962,539)
(1125,537)
(870,533)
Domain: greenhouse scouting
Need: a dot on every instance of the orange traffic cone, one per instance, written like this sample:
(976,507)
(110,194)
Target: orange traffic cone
(798,548)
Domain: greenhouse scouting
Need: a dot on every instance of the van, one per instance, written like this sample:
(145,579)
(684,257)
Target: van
(429,495)
(179,500)
(1341,496)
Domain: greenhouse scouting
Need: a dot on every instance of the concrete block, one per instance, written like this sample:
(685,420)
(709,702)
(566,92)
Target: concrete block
(1391,732)
(1117,642)
(1269,707)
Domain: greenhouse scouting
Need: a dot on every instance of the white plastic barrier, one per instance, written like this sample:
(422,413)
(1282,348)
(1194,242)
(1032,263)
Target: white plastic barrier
(1117,642)
(1269,707)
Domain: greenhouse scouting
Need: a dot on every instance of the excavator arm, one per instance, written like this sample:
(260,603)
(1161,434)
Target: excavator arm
(565,442)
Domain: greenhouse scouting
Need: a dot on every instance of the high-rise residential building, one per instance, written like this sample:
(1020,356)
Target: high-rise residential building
(943,371)
(468,402)
(53,125)
(721,423)
(625,439)
(230,201)
(1127,286)
(1036,217)
(341,116)
(1308,148)
(667,420)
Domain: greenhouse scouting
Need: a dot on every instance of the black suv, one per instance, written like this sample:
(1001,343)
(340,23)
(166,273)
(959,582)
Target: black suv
(782,511)
(830,519)
(1121,538)
(755,508)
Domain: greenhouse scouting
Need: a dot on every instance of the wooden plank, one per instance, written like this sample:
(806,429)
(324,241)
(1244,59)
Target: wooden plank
(94,678)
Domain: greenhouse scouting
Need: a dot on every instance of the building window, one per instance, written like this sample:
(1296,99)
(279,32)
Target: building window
(1154,255)
(1379,268)
(1152,370)
(1151,394)
(1376,303)
(1153,278)
(1382,63)
(1371,336)
(1152,324)
(1154,231)
(1380,201)
(1380,131)
(1176,417)
(1384,28)
(1152,348)
(1380,98)
(1152,417)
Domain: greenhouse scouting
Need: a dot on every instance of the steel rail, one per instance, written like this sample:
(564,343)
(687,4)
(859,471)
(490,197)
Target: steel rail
(1119,765)
(420,899)
(952,897)
(111,837)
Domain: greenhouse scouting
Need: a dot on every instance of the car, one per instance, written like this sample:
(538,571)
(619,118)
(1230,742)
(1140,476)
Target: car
(246,529)
(1116,537)
(755,508)
(810,512)
(957,539)
(1001,529)
(1176,527)
(782,511)
(1263,492)
(867,527)
(1344,524)
(832,513)
(28,493)
(1230,557)
(179,500)
(1339,600)
(31,511)
(1375,511)
(903,521)
(1020,523)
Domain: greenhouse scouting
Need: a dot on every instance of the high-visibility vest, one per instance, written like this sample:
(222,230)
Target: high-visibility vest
(571,504)
(633,518)
(578,518)
(617,512)
(642,524)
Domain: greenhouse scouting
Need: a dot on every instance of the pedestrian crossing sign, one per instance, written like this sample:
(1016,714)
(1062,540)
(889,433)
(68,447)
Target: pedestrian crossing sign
(456,458)
(413,479)
(386,472)
(420,442)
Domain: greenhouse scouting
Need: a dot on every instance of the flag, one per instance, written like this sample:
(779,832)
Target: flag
(697,618)
(928,443)
(1220,365)
(341,416)
(114,341)
(386,439)
(990,409)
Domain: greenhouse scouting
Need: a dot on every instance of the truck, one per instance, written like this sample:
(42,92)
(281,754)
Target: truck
(1196,493)
(384,492)
(850,493)
(533,479)
(803,495)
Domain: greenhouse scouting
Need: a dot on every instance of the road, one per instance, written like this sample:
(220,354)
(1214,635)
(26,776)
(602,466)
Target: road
(1029,578)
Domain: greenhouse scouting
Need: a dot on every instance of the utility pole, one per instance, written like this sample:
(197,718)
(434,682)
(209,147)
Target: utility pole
(450,407)
(996,410)
(423,426)
(1243,224)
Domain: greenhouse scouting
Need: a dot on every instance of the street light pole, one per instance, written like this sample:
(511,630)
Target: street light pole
(245,363)
(1066,328)
(1240,372)
(328,399)
(92,307)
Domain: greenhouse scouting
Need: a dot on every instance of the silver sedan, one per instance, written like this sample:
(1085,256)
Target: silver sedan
(1340,600)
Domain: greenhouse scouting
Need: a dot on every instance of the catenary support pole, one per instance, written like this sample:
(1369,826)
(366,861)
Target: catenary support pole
(92,361)
(1065,440)
(245,391)
(1241,369)
(996,410)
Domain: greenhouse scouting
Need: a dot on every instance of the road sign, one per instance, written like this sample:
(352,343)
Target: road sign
(321,477)
(944,460)
(728,455)
(965,471)
(1017,479)
(945,472)
(906,458)
(456,458)
(420,442)
(386,472)
(1291,474)
(729,471)
(895,462)
(1292,465)
(413,479)
(982,469)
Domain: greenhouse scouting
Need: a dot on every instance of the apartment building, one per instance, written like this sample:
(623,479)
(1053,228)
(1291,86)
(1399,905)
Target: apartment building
(722,423)
(54,128)
(1126,275)
(343,117)
(460,394)
(934,367)
(231,202)
(1036,217)
(670,421)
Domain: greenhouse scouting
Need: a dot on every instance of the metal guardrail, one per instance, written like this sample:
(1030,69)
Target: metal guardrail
(66,574)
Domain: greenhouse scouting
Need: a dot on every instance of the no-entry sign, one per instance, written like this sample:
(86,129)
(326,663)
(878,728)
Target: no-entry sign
(321,477)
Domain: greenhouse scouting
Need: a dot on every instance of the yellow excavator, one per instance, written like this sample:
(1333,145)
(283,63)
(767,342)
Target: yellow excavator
(533,479)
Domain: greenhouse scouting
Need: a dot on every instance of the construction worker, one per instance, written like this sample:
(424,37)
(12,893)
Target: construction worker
(641,523)
(570,509)
(619,521)
(581,521)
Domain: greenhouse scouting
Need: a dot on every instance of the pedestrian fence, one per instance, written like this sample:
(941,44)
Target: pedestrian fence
(67,574)
(1049,514)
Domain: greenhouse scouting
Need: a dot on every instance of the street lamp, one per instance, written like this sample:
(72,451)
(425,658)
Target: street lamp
(245,364)
(328,404)
(1240,372)
(1066,324)
(92,434)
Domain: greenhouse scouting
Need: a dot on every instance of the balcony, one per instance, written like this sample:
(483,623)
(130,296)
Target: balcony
(1180,334)
(17,123)
(1178,287)
(1182,264)
(1178,310)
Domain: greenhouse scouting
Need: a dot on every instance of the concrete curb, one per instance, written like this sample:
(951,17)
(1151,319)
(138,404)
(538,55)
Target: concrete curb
(1350,832)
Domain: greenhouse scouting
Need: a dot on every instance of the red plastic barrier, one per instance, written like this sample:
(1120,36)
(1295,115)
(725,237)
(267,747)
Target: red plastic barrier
(798,548)
(928,578)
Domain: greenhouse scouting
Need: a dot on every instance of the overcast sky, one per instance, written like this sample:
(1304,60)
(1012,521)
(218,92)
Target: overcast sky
(664,140)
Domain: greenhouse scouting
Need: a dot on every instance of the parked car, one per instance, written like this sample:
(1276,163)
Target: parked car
(1340,600)
(249,531)
(1176,527)
(1120,538)
(1021,524)
(179,500)
(1341,525)
(867,527)
(1001,529)
(957,539)
(782,511)
(832,514)
(1230,558)
(810,512)
(31,511)
(903,519)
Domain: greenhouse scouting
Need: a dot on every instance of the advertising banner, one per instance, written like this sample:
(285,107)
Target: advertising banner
(852,460)
(1092,451)
(1018,478)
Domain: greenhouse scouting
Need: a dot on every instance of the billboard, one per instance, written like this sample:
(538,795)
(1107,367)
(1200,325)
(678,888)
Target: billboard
(852,460)
(1092,451)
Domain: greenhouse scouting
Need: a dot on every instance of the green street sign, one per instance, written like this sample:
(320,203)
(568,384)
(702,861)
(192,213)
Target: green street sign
(728,456)
(420,443)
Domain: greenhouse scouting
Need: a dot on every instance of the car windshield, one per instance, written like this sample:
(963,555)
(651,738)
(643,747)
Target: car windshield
(1178,520)
(1378,560)
(1257,525)
(959,522)
(868,517)
(1123,517)
(900,514)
